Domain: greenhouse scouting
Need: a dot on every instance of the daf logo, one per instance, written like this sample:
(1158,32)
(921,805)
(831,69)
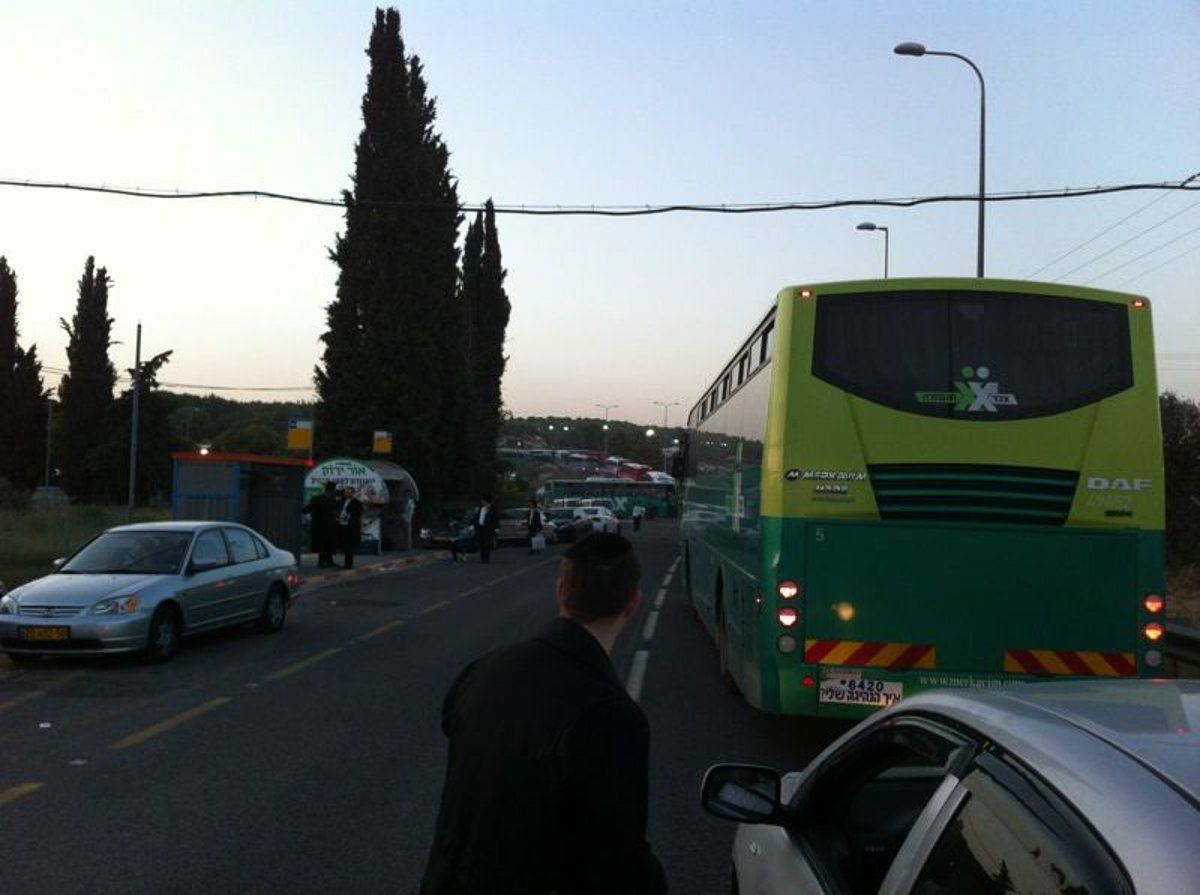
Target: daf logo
(1099,483)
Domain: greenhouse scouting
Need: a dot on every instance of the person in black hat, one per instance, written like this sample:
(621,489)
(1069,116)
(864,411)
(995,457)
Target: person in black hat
(546,783)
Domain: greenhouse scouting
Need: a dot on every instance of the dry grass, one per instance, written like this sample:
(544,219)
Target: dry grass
(1183,595)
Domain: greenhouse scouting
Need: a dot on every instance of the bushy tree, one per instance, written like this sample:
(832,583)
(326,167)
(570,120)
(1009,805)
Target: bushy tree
(392,356)
(23,395)
(86,393)
(1181,461)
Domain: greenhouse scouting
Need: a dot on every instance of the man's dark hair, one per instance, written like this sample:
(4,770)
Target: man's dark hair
(600,577)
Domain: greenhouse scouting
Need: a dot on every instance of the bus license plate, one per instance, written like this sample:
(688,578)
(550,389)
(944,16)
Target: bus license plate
(856,691)
(46,632)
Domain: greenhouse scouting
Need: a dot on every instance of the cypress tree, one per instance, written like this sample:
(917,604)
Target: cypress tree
(388,361)
(489,324)
(22,394)
(86,392)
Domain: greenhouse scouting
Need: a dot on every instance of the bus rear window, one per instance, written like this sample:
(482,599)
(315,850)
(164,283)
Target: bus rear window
(973,355)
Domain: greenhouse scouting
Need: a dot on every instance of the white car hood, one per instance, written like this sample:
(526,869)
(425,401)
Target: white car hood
(82,590)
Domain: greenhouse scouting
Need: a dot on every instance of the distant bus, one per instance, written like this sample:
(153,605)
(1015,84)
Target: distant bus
(659,498)
(894,485)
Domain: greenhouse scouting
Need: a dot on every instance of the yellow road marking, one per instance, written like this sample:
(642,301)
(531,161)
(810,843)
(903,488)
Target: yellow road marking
(300,666)
(19,791)
(41,691)
(135,739)
(383,629)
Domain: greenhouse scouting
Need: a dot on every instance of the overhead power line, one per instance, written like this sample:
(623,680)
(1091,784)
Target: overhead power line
(1108,229)
(610,210)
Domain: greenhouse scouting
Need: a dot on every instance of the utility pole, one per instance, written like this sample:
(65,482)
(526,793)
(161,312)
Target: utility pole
(607,408)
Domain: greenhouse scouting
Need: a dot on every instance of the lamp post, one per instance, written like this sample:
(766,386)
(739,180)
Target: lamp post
(867,225)
(909,48)
(607,408)
(666,406)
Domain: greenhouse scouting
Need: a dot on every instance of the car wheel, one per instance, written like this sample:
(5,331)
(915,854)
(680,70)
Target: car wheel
(274,612)
(163,639)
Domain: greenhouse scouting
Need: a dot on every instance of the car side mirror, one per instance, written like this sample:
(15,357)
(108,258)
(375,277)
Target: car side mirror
(196,566)
(744,793)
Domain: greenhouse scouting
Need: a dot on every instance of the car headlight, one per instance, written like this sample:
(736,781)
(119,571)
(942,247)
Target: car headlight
(8,606)
(116,606)
(426,533)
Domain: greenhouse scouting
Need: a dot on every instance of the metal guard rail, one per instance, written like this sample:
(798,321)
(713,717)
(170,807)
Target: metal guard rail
(1183,650)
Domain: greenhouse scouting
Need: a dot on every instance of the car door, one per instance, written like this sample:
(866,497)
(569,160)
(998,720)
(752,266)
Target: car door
(208,593)
(855,812)
(1004,830)
(249,575)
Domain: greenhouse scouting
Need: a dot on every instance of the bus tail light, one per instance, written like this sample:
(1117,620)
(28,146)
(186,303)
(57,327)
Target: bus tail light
(1154,603)
(788,590)
(1153,632)
(788,616)
(786,644)
(1140,303)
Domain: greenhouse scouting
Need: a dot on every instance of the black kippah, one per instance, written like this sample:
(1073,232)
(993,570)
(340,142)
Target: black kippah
(601,545)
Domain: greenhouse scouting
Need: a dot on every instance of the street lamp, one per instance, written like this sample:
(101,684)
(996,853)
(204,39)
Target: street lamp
(666,406)
(607,408)
(867,225)
(909,48)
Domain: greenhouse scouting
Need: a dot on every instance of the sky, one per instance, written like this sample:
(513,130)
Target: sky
(614,103)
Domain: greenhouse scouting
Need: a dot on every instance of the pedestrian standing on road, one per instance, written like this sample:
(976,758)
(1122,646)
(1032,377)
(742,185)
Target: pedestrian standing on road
(486,524)
(350,526)
(537,541)
(638,512)
(547,777)
(321,510)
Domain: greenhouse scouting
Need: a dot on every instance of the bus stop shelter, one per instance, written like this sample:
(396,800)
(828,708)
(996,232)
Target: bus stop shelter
(263,492)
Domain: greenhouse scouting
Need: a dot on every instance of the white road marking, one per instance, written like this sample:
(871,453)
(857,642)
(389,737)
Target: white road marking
(637,674)
(651,624)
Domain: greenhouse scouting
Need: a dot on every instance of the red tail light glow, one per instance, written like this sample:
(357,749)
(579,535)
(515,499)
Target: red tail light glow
(788,617)
(1153,631)
(1139,303)
(1154,603)
(789,590)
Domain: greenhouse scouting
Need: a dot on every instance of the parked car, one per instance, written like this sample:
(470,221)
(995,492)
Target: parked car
(141,588)
(514,527)
(1077,786)
(602,518)
(567,527)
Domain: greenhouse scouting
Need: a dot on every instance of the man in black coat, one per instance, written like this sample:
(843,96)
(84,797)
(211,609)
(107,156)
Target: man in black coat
(486,522)
(350,512)
(323,531)
(547,778)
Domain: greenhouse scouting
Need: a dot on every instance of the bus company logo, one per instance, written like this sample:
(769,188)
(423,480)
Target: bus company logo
(825,475)
(972,394)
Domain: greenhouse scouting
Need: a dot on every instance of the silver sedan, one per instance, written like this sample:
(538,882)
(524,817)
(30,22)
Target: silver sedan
(141,588)
(1045,787)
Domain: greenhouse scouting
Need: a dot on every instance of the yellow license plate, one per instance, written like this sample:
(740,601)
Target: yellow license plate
(46,632)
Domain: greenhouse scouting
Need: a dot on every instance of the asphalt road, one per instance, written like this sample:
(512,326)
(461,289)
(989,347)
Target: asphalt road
(312,760)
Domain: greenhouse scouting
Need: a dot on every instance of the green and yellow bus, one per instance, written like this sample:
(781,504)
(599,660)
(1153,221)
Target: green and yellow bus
(901,484)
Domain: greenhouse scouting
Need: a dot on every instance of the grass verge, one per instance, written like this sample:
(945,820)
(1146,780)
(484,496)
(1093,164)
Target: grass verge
(30,540)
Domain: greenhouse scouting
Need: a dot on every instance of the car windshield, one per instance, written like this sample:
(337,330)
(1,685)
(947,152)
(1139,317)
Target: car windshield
(131,553)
